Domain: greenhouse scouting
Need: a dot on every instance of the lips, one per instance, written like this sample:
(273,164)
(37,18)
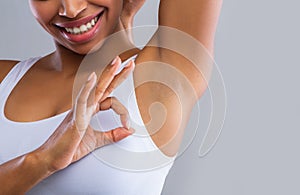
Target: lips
(81,30)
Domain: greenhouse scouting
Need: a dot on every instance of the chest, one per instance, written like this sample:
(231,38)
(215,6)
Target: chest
(38,97)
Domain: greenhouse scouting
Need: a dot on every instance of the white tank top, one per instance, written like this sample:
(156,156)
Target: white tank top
(132,166)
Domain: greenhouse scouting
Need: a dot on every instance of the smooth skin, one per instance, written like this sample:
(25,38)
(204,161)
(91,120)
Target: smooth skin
(203,16)
(67,144)
(73,139)
(202,22)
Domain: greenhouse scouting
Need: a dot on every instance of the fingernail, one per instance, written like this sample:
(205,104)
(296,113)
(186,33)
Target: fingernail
(91,76)
(114,61)
(131,130)
(129,63)
(128,124)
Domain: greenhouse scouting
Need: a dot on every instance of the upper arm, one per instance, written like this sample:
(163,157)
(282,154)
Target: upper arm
(198,18)
(5,67)
(185,39)
(172,71)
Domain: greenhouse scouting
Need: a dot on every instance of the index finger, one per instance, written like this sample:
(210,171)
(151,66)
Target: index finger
(106,78)
(114,104)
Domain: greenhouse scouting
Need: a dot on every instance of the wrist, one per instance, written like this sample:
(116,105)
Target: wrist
(39,162)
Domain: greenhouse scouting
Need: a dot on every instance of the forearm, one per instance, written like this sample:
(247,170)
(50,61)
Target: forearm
(20,174)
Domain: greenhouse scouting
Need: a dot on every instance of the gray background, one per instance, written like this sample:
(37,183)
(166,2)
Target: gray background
(256,49)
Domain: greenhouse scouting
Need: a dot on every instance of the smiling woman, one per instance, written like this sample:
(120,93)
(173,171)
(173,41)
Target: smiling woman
(59,110)
(56,16)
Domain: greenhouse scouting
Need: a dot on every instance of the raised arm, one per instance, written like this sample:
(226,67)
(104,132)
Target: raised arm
(173,69)
(198,18)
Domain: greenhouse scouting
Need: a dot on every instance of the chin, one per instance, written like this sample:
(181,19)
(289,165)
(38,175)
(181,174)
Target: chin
(82,48)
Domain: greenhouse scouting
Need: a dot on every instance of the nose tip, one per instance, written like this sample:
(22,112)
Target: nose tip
(71,8)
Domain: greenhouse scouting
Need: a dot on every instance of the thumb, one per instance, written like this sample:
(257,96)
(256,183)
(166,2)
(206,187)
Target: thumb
(115,135)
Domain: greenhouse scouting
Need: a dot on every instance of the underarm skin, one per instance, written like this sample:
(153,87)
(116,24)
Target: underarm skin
(183,49)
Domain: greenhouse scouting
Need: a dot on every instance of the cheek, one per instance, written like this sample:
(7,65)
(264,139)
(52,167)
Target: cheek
(43,12)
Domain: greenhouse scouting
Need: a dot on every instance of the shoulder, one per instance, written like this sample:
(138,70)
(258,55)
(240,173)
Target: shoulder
(5,67)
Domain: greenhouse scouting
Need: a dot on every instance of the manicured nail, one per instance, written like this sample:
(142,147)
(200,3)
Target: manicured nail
(114,61)
(129,63)
(131,130)
(92,75)
(128,124)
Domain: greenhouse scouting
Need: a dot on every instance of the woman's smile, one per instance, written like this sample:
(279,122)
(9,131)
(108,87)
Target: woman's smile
(78,25)
(81,30)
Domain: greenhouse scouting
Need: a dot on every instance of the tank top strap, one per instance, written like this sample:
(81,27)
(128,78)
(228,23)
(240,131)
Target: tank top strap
(12,78)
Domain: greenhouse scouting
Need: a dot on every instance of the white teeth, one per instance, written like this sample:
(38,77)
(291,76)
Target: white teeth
(76,30)
(89,26)
(83,28)
(71,30)
(93,22)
